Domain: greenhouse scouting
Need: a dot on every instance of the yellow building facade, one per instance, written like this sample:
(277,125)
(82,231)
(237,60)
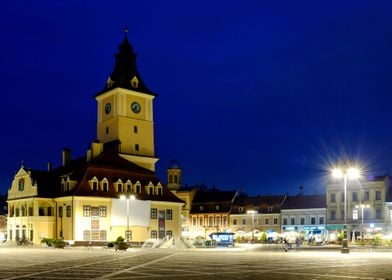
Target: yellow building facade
(111,191)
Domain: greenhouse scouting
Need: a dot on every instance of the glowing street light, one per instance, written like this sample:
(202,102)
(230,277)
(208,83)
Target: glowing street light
(252,212)
(127,198)
(351,173)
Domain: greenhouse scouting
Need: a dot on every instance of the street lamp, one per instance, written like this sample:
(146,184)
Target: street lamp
(252,212)
(351,173)
(362,206)
(127,197)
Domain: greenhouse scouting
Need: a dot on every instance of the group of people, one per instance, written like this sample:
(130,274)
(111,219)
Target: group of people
(289,241)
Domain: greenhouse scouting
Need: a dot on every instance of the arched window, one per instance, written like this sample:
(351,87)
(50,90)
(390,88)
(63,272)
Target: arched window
(21,184)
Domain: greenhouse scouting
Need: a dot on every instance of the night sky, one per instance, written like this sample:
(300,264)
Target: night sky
(263,95)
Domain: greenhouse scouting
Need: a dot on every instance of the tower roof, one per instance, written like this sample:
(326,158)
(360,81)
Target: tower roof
(125,73)
(173,164)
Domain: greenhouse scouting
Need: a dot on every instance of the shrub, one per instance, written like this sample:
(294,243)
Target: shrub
(47,241)
(119,244)
(59,243)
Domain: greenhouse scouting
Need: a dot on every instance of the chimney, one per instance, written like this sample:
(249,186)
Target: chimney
(97,149)
(66,156)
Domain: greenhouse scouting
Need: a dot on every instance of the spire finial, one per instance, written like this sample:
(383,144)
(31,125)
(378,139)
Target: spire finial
(22,164)
(126,30)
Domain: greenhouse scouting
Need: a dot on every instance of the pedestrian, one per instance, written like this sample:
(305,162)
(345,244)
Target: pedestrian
(285,245)
(298,242)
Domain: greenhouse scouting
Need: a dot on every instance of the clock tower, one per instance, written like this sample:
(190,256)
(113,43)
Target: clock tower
(125,110)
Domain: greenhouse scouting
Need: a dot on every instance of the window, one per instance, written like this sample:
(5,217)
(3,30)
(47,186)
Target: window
(41,211)
(366,196)
(138,189)
(275,221)
(60,211)
(105,186)
(107,130)
(217,221)
(128,235)
(86,235)
(129,188)
(86,211)
(160,191)
(240,209)
(333,215)
(136,147)
(102,235)
(366,214)
(217,207)
(210,221)
(234,222)
(194,221)
(150,190)
(102,211)
(292,220)
(244,221)
(154,213)
(378,213)
(342,197)
(68,211)
(31,211)
(355,196)
(95,186)
(175,179)
(17,212)
(135,129)
(321,220)
(21,185)
(169,214)
(270,208)
(355,214)
(119,187)
(378,195)
(342,214)
(285,221)
(225,221)
(50,211)
(266,221)
(169,233)
(312,220)
(333,197)
(302,221)
(154,234)
(201,221)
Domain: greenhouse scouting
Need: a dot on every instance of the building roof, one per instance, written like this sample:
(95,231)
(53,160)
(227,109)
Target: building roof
(261,204)
(212,201)
(125,70)
(109,165)
(305,202)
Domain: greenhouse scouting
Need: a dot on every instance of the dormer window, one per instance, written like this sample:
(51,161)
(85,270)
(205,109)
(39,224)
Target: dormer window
(240,209)
(151,190)
(119,187)
(95,186)
(134,82)
(160,191)
(270,208)
(105,186)
(217,207)
(138,188)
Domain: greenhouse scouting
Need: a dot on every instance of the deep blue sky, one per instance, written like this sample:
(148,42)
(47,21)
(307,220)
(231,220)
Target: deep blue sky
(264,95)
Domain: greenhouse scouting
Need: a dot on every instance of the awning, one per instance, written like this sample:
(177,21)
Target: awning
(335,227)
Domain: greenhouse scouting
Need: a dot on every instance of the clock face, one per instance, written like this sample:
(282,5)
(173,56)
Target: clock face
(135,107)
(108,108)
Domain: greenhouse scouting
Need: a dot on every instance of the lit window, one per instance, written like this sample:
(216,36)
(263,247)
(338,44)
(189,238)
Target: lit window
(86,211)
(68,211)
(169,214)
(102,211)
(154,213)
(154,234)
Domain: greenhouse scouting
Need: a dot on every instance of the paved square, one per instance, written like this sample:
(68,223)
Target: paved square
(164,264)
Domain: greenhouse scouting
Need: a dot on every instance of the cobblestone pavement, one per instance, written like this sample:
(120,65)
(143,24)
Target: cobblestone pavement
(48,263)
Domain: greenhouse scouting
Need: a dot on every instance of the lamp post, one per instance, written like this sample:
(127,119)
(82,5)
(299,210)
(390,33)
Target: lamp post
(362,206)
(252,212)
(127,198)
(349,173)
